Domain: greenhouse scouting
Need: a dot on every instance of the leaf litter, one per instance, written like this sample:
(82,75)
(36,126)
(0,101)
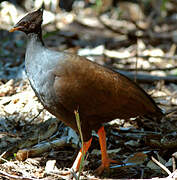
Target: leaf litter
(35,145)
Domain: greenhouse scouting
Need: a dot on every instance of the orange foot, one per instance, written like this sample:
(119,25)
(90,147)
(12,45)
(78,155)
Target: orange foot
(77,161)
(105,161)
(105,166)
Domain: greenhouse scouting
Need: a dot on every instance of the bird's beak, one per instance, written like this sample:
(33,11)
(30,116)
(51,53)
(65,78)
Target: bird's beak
(17,28)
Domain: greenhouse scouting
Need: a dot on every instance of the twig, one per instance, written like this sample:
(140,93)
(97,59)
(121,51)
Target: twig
(144,57)
(160,165)
(173,163)
(16,177)
(174,157)
(146,78)
(149,69)
(110,27)
(36,115)
(1,156)
(163,57)
(137,26)
(173,175)
(82,141)
(41,148)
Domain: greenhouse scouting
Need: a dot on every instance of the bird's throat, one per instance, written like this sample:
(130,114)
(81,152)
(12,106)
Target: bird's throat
(36,35)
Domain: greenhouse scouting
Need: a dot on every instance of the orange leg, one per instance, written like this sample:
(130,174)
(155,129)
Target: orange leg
(77,161)
(105,161)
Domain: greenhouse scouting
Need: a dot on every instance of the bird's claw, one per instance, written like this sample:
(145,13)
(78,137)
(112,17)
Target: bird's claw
(105,166)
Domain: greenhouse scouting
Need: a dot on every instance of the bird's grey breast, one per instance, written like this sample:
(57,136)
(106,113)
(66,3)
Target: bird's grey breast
(39,63)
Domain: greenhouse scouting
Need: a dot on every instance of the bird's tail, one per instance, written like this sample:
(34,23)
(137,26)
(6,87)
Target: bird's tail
(157,115)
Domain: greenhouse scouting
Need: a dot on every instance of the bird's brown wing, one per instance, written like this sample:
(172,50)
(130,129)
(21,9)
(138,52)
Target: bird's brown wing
(97,91)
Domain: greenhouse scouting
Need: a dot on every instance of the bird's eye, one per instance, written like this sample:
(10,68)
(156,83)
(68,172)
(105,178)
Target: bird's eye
(24,23)
(32,26)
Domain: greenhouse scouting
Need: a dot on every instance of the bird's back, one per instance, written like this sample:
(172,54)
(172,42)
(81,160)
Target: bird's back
(100,92)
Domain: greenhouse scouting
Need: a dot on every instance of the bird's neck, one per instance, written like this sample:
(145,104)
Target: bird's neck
(37,36)
(34,49)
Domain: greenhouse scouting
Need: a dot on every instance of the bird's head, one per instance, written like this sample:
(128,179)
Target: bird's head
(31,23)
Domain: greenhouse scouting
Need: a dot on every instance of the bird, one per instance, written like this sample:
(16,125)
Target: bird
(66,82)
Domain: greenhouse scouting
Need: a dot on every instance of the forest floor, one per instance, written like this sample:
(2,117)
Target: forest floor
(35,145)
